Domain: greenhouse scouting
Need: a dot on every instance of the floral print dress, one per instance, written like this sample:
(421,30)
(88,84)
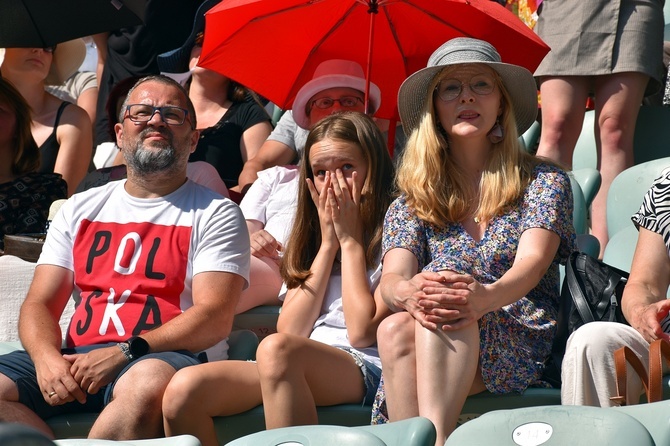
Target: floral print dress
(516,339)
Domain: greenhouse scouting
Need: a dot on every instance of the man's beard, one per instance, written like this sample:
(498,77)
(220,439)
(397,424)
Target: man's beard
(146,161)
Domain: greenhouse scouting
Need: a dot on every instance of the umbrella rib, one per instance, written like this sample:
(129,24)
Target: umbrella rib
(332,29)
(37,29)
(437,18)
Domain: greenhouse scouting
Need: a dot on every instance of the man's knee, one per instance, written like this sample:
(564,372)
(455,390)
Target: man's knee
(143,383)
(9,391)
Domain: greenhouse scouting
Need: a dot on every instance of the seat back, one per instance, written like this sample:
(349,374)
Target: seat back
(621,247)
(654,416)
(579,208)
(310,436)
(261,320)
(627,192)
(651,139)
(553,426)
(416,431)
(586,153)
(242,345)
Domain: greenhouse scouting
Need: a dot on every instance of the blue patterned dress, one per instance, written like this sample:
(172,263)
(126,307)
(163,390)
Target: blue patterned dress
(516,339)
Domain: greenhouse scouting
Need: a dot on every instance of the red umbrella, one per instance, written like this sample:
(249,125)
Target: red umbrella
(274,46)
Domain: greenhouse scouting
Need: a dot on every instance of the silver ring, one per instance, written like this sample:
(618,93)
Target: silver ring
(51,394)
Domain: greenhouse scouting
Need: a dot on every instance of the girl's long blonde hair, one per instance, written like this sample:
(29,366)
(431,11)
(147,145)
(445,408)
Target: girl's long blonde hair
(305,238)
(434,187)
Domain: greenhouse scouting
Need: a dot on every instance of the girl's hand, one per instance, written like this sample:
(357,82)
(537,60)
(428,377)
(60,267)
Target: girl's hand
(328,236)
(345,209)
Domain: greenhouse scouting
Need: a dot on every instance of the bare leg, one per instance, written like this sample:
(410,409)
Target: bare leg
(563,107)
(395,340)
(447,361)
(618,99)
(11,411)
(135,409)
(196,394)
(297,374)
(264,285)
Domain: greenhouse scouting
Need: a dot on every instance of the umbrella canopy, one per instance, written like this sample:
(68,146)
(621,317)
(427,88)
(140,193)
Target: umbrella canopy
(43,23)
(274,46)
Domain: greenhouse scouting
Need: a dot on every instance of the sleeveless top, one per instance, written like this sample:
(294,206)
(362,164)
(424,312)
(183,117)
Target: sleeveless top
(49,148)
(219,145)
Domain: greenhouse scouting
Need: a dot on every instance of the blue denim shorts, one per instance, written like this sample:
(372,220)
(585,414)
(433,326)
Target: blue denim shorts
(371,375)
(18,366)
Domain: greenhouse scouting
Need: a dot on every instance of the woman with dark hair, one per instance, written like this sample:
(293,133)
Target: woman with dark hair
(61,129)
(25,195)
(232,122)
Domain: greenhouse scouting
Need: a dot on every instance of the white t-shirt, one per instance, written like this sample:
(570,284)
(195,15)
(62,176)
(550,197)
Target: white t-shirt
(272,200)
(290,133)
(134,259)
(330,327)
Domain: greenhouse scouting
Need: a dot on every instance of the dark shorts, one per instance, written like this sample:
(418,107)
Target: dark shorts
(18,366)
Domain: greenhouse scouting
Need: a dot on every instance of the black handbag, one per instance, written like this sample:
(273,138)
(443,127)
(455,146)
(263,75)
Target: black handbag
(591,292)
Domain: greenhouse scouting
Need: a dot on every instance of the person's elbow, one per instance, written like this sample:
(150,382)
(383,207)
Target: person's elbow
(363,337)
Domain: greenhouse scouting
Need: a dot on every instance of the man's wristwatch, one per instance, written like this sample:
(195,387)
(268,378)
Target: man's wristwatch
(134,348)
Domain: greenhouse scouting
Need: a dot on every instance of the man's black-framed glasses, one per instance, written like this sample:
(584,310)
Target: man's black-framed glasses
(170,114)
(345,101)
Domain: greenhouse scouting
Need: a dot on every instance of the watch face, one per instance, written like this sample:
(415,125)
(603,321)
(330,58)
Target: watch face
(138,346)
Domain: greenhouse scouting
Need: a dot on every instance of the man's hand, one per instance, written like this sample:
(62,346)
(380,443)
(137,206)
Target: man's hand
(56,381)
(96,368)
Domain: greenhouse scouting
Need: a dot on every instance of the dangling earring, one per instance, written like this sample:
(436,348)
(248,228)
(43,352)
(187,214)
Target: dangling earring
(496,133)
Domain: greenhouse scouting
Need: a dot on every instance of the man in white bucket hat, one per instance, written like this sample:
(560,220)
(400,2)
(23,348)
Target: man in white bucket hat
(337,85)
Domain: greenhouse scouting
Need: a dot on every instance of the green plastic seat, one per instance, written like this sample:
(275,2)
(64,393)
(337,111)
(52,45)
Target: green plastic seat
(411,432)
(589,180)
(531,137)
(261,320)
(621,247)
(553,426)
(179,440)
(651,140)
(627,192)
(655,417)
(585,154)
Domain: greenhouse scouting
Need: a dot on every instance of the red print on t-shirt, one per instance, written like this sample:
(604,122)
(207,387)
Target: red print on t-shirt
(131,276)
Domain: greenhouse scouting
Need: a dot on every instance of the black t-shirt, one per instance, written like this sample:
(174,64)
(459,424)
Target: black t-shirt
(219,145)
(132,51)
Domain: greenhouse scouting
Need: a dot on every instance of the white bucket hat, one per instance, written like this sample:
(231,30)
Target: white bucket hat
(518,81)
(66,60)
(334,73)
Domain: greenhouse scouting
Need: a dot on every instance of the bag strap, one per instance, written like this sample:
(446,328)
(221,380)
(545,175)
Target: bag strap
(659,355)
(622,357)
(580,301)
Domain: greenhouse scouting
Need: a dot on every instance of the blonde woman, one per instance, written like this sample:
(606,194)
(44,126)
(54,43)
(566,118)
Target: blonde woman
(472,246)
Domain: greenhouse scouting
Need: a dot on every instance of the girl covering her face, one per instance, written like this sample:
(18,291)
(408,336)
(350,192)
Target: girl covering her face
(331,270)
